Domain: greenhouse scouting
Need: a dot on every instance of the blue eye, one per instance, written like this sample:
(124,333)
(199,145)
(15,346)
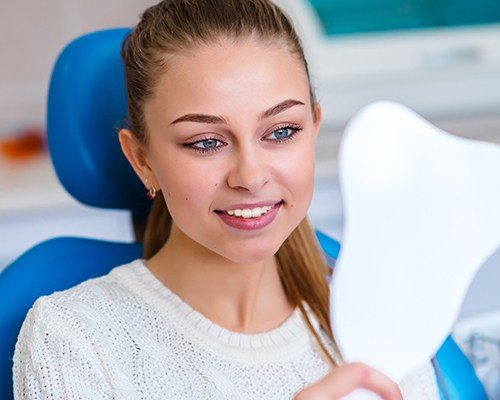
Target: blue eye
(206,145)
(285,133)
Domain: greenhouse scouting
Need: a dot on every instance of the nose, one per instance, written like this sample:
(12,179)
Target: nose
(249,171)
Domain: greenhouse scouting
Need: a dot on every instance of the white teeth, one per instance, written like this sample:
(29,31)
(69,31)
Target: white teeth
(256,212)
(246,213)
(249,213)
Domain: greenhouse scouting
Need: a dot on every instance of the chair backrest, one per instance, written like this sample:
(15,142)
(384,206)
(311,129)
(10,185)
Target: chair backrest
(86,104)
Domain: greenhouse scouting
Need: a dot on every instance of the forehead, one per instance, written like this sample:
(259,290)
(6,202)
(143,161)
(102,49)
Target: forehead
(231,78)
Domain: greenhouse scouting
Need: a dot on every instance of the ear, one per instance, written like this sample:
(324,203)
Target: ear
(137,157)
(318,118)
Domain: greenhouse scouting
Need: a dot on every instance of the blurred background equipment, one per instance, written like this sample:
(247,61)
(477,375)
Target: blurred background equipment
(439,57)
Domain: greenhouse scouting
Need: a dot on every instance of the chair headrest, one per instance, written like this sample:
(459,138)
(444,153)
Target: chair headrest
(87,105)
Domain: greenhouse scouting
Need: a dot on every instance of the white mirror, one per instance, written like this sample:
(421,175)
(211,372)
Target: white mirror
(421,215)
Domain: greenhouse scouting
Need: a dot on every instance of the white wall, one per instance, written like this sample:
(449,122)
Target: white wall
(32,33)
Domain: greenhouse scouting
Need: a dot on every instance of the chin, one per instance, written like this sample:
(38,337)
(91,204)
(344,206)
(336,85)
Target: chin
(247,256)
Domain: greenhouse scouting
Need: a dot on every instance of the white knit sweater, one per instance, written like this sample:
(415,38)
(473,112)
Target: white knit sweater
(127,336)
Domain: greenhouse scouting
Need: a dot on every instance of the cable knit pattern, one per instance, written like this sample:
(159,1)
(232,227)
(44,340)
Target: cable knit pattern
(127,336)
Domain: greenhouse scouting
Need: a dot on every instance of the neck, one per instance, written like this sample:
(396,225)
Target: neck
(246,298)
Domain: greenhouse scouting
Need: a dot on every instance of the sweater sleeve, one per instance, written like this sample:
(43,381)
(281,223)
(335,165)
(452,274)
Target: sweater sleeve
(421,384)
(54,357)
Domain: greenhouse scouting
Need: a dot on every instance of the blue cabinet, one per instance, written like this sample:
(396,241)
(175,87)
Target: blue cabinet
(341,17)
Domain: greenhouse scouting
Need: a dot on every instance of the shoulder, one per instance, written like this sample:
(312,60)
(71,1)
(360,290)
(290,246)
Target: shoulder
(63,347)
(89,300)
(114,286)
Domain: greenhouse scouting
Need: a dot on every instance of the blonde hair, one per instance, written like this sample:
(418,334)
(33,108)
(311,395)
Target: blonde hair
(176,25)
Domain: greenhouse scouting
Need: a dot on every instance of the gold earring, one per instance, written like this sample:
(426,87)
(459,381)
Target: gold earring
(151,192)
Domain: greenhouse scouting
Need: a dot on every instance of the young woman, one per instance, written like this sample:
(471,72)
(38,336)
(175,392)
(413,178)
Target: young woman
(230,298)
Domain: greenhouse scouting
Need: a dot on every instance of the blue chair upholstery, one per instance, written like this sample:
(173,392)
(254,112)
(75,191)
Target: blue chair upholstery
(456,375)
(86,104)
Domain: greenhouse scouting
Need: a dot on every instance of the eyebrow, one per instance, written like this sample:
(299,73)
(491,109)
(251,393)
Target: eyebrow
(215,119)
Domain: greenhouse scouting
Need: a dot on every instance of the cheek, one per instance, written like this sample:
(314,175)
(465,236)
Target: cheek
(180,182)
(187,190)
(296,171)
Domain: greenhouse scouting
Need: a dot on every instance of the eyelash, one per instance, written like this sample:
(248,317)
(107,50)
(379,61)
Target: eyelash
(294,130)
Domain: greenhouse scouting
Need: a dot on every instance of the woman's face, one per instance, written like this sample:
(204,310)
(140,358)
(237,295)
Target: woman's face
(230,126)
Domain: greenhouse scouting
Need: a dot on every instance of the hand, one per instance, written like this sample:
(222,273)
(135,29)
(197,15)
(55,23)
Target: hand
(347,378)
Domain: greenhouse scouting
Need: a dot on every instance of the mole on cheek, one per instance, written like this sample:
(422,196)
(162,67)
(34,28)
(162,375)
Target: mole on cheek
(186,198)
(216,184)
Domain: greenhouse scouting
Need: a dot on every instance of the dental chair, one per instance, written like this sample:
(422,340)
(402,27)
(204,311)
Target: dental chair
(86,105)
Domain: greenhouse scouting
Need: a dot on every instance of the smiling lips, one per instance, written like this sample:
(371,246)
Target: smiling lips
(250,219)
(249,213)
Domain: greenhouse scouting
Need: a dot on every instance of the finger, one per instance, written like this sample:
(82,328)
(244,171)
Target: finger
(346,378)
